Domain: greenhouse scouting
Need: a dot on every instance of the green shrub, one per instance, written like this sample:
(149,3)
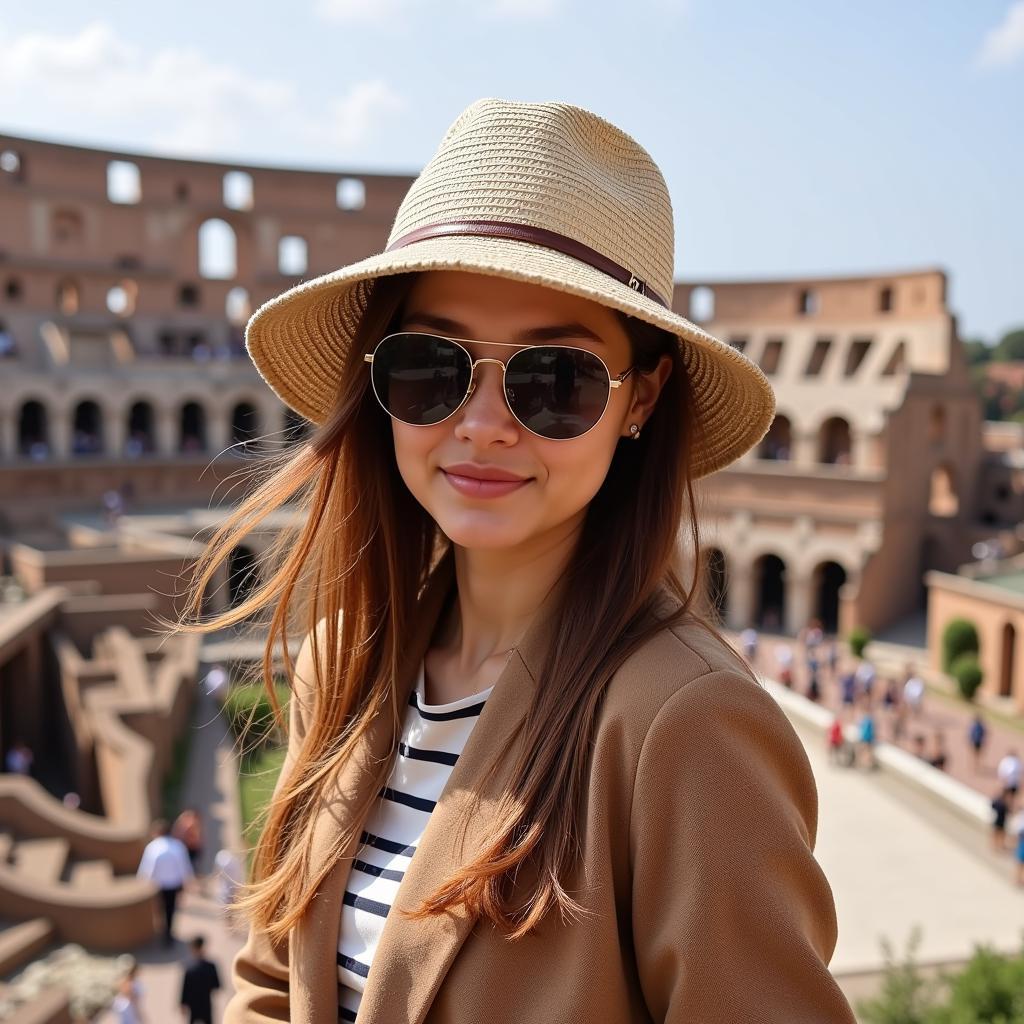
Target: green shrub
(905,996)
(989,989)
(858,639)
(959,637)
(251,716)
(967,673)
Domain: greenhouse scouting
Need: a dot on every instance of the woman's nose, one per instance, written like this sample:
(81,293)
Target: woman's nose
(486,409)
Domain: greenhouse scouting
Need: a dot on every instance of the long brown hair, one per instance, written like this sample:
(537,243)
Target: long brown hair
(363,543)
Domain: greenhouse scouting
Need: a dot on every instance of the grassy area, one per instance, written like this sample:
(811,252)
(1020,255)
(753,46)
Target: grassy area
(174,780)
(258,773)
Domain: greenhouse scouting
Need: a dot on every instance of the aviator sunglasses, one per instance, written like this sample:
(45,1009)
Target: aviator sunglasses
(557,392)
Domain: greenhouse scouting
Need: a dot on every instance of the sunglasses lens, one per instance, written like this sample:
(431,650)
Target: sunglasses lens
(558,393)
(420,379)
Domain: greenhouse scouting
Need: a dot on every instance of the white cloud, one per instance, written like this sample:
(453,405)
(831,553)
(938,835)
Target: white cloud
(1005,43)
(396,13)
(173,100)
(366,12)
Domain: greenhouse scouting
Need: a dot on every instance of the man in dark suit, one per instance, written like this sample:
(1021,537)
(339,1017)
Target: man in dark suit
(198,984)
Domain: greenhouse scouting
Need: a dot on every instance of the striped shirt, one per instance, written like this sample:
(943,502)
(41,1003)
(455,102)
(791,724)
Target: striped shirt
(433,736)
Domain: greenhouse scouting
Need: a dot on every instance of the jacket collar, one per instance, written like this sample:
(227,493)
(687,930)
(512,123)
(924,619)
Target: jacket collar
(413,957)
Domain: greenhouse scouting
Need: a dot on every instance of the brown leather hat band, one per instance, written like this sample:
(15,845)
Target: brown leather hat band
(538,236)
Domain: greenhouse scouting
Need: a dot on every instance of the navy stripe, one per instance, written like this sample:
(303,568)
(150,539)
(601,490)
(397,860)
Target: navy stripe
(370,906)
(388,845)
(418,754)
(418,802)
(378,872)
(353,965)
(472,711)
(346,1014)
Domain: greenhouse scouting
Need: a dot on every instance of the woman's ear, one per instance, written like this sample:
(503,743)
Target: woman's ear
(646,390)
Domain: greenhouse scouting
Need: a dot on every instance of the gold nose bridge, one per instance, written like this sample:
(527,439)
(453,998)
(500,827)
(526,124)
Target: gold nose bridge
(472,374)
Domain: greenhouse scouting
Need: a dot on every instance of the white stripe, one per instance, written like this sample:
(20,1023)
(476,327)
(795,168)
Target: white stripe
(360,930)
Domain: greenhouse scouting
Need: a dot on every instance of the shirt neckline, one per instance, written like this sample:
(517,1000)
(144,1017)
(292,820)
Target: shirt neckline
(452,705)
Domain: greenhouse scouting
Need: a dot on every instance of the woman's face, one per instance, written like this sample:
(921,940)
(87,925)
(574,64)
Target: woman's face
(560,477)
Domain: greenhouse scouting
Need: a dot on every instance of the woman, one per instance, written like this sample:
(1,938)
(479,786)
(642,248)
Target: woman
(618,823)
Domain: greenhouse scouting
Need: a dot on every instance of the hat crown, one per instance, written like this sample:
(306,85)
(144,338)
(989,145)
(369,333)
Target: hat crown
(552,166)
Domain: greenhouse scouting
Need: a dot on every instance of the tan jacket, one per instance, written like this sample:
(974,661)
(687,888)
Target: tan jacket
(699,823)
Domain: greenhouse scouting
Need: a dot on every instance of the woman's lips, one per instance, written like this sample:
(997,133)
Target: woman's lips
(474,488)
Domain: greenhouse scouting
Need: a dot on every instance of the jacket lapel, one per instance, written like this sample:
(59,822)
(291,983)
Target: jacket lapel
(313,948)
(413,957)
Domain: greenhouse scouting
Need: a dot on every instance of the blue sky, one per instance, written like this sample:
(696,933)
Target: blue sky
(796,138)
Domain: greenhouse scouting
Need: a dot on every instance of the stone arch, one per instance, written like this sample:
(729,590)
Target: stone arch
(140,429)
(769,578)
(777,444)
(245,423)
(87,428)
(243,574)
(192,433)
(33,429)
(218,249)
(1007,658)
(835,443)
(716,582)
(828,578)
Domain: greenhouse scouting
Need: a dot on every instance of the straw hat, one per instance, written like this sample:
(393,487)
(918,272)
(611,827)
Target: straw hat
(547,193)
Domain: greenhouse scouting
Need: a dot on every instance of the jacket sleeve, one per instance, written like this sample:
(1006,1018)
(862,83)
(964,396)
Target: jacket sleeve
(259,971)
(733,918)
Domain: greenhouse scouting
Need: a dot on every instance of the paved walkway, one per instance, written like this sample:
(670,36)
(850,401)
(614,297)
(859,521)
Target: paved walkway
(211,786)
(943,711)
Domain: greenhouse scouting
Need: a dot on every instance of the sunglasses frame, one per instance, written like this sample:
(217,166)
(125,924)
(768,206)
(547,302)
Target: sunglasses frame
(613,381)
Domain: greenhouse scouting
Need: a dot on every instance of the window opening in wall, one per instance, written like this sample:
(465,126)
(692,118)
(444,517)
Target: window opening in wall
(236,305)
(809,303)
(777,443)
(217,249)
(33,436)
(897,361)
(188,295)
(140,439)
(10,164)
(943,499)
(855,355)
(238,190)
(87,438)
(292,255)
(13,289)
(739,343)
(193,428)
(67,297)
(771,355)
(885,300)
(819,354)
(124,183)
(702,304)
(122,297)
(350,194)
(126,261)
(66,226)
(835,442)
(181,191)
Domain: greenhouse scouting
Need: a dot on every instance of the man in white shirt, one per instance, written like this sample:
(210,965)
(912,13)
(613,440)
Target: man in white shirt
(913,692)
(165,862)
(1009,771)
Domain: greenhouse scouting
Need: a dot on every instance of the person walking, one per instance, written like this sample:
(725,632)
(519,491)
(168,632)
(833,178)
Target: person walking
(127,1004)
(508,690)
(866,727)
(977,733)
(1009,771)
(198,983)
(165,862)
(748,641)
(913,692)
(1001,807)
(188,827)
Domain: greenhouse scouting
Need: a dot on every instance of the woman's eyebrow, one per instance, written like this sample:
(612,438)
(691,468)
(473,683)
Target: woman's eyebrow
(572,329)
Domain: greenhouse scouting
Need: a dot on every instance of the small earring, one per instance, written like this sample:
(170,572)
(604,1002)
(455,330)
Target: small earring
(635,431)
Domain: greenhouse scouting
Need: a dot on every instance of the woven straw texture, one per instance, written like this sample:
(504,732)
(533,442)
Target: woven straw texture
(546,165)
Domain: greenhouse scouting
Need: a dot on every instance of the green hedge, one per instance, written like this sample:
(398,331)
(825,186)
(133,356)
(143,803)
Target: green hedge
(858,639)
(251,716)
(967,673)
(959,637)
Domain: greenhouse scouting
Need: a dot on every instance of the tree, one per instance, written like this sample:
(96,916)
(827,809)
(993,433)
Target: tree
(1010,346)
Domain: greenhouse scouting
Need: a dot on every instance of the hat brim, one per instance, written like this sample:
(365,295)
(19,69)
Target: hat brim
(298,339)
